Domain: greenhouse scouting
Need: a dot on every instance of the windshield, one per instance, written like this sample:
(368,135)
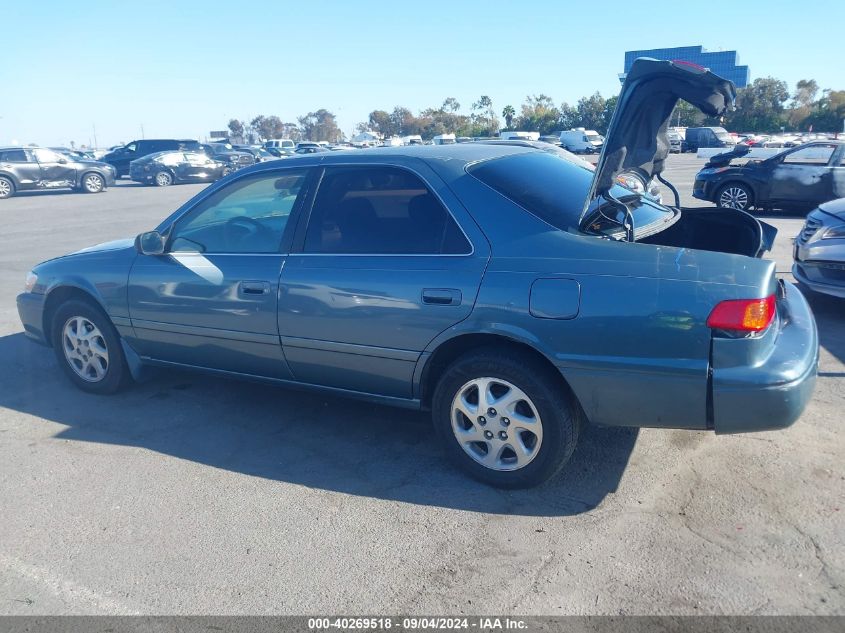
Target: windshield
(592,137)
(553,188)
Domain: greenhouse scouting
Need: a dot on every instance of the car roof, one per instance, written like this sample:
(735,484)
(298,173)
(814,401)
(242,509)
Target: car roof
(448,160)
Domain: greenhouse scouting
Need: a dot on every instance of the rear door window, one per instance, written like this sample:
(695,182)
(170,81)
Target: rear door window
(13,156)
(380,211)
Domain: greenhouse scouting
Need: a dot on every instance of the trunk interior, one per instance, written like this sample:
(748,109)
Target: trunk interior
(717,229)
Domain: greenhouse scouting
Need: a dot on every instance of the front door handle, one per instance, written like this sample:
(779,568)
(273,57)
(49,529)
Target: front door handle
(254,287)
(441,296)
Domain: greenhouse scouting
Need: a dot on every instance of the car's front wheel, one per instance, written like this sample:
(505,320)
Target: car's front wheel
(735,195)
(7,187)
(93,183)
(505,418)
(88,348)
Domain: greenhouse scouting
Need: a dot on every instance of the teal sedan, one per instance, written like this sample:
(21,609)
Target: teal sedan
(515,293)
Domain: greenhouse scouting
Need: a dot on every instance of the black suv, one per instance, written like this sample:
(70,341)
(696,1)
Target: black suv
(122,156)
(23,168)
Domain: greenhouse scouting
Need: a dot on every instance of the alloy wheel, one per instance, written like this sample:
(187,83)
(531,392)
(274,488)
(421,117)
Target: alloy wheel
(734,198)
(163,179)
(85,349)
(93,183)
(496,424)
(5,188)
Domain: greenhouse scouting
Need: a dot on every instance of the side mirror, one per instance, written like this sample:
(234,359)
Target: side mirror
(63,161)
(150,243)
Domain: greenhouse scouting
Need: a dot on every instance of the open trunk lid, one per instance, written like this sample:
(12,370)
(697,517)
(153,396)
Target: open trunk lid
(637,142)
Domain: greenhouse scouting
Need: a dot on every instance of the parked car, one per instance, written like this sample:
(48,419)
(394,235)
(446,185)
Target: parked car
(259,153)
(225,153)
(498,286)
(313,148)
(280,153)
(166,168)
(120,157)
(798,178)
(27,168)
(819,250)
(697,137)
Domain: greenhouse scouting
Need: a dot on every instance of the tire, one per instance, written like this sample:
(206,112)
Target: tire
(94,359)
(7,187)
(227,171)
(527,389)
(735,195)
(92,183)
(163,179)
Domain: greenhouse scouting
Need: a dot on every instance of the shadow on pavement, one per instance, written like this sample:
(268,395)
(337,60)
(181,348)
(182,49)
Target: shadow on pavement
(281,434)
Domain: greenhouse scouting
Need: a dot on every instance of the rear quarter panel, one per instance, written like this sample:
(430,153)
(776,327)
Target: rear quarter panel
(638,351)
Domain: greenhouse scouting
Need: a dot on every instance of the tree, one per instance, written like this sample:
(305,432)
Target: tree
(237,130)
(591,112)
(320,126)
(539,114)
(607,115)
(451,105)
(484,121)
(828,112)
(568,117)
(508,114)
(267,127)
(760,106)
(685,115)
(802,102)
(381,122)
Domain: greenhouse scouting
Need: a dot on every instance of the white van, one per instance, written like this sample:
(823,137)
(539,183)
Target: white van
(444,139)
(522,136)
(280,143)
(581,141)
(413,139)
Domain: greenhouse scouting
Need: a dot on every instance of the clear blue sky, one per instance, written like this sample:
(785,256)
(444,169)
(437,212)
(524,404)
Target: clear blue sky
(184,68)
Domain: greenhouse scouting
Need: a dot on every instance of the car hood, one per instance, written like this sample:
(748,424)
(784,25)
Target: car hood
(637,139)
(836,208)
(114,245)
(723,159)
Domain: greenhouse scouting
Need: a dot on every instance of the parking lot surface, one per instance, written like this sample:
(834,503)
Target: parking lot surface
(188,494)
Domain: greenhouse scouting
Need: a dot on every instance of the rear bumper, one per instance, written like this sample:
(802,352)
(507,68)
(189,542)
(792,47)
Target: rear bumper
(31,312)
(773,394)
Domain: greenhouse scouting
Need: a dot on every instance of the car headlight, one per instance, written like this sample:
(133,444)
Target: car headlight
(834,232)
(31,280)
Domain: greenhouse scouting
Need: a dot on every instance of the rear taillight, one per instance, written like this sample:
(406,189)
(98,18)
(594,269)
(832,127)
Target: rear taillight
(743,315)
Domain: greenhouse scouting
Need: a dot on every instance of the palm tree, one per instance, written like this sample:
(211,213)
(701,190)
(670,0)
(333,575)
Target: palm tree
(509,113)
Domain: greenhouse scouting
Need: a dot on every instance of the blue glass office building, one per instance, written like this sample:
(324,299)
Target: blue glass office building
(723,63)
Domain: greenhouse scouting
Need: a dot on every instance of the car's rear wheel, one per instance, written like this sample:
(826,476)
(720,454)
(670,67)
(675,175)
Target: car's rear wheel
(505,418)
(88,348)
(163,179)
(735,195)
(93,183)
(7,187)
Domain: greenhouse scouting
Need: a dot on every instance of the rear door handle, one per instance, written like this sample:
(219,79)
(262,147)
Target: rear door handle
(441,296)
(254,287)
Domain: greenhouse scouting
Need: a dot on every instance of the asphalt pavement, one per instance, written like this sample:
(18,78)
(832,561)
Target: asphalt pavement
(188,494)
